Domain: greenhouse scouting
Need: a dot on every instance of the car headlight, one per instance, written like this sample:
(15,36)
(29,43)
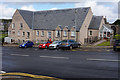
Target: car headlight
(23,44)
(43,44)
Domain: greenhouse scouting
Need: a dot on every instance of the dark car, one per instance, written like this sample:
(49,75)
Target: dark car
(69,44)
(116,45)
(26,44)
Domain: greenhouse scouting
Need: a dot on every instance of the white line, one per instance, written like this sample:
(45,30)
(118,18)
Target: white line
(103,60)
(54,57)
(18,55)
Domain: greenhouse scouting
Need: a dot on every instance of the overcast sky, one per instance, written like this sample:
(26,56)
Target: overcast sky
(103,8)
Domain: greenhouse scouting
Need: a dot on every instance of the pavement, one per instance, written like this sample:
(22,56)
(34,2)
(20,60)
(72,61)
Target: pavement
(99,42)
(62,64)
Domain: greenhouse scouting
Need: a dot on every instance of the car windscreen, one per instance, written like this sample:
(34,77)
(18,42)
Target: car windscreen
(24,42)
(55,42)
(43,42)
(64,41)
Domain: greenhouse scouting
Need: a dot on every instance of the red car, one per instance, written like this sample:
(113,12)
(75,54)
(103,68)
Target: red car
(45,44)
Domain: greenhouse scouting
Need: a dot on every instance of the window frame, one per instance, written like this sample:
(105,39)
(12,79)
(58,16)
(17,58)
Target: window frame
(49,35)
(42,33)
(13,25)
(73,33)
(65,33)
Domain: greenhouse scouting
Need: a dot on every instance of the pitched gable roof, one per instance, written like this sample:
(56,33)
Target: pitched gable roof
(52,18)
(95,22)
(27,16)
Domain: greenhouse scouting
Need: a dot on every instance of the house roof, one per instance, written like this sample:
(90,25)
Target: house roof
(50,19)
(95,22)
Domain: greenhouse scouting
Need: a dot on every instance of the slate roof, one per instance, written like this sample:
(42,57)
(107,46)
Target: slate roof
(95,22)
(50,19)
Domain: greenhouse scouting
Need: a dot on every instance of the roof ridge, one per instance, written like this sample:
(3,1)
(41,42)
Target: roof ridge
(55,10)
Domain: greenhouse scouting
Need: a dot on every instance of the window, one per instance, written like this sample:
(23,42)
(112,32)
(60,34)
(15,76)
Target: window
(9,32)
(72,33)
(42,33)
(23,34)
(49,34)
(57,33)
(37,33)
(13,26)
(13,32)
(65,33)
(18,33)
(28,34)
(21,26)
(90,32)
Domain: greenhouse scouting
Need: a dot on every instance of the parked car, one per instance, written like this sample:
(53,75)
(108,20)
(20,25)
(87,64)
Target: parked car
(55,45)
(26,44)
(116,45)
(45,44)
(69,44)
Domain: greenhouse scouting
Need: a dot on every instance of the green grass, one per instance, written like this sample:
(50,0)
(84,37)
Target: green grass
(107,43)
(117,36)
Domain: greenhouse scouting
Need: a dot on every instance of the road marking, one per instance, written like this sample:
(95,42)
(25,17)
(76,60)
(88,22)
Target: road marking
(54,57)
(18,55)
(90,59)
(30,75)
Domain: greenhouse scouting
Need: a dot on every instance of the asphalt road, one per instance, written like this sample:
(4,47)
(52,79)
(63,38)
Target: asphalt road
(86,63)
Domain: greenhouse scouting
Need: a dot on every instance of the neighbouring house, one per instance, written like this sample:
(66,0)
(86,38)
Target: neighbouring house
(106,31)
(75,23)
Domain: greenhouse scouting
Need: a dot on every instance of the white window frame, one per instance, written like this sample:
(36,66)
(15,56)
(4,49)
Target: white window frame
(23,34)
(21,26)
(65,33)
(18,33)
(57,33)
(49,35)
(72,33)
(37,33)
(90,33)
(13,26)
(42,33)
(9,32)
(28,36)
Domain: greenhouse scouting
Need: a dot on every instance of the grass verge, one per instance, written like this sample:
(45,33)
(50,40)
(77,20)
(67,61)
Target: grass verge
(107,43)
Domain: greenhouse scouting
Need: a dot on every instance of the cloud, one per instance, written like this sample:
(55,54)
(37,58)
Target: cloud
(6,12)
(30,8)
(53,8)
(101,10)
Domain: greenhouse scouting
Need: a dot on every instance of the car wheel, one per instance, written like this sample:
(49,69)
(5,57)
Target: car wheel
(57,47)
(78,46)
(46,47)
(71,47)
(25,46)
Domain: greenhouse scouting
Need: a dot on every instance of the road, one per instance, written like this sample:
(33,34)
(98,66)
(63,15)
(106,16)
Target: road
(86,63)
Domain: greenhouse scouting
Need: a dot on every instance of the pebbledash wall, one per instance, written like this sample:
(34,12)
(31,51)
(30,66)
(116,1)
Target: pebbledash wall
(22,31)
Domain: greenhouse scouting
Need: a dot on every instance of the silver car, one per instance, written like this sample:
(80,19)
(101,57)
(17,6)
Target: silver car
(55,45)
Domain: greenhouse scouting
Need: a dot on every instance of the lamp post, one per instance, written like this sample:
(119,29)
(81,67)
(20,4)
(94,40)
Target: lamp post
(75,23)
